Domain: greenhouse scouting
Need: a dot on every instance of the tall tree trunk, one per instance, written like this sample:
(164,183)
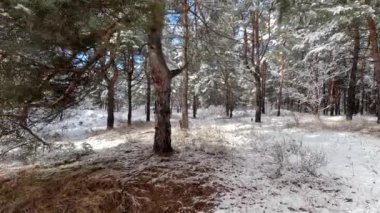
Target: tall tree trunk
(257,61)
(352,82)
(362,68)
(337,106)
(130,69)
(316,90)
(373,37)
(195,106)
(111,82)
(185,74)
(227,103)
(161,76)
(345,101)
(230,101)
(148,90)
(110,106)
(263,70)
(258,101)
(332,96)
(282,76)
(324,99)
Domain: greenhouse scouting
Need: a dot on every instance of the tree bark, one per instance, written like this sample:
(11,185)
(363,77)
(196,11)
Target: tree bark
(148,90)
(110,107)
(161,77)
(282,76)
(332,96)
(111,82)
(256,62)
(337,107)
(195,106)
(185,73)
(373,38)
(130,71)
(345,101)
(263,70)
(362,68)
(352,82)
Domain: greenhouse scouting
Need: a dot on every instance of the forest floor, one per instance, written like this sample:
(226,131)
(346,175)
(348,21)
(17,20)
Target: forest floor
(292,163)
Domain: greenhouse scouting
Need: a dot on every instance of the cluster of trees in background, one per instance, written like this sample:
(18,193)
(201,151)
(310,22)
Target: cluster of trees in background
(307,56)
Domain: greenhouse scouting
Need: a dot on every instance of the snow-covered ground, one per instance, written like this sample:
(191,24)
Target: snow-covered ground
(243,158)
(348,183)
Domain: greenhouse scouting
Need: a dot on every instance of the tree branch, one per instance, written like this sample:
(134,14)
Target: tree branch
(174,73)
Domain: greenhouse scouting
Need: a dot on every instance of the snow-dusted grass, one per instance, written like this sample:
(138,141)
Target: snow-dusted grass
(349,182)
(295,162)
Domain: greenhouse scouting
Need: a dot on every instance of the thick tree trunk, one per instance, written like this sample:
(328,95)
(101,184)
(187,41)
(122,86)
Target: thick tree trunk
(110,107)
(352,82)
(162,136)
(185,73)
(373,37)
(161,76)
(111,82)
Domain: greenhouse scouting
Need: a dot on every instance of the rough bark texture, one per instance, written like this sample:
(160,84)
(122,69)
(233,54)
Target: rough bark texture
(185,73)
(111,82)
(373,37)
(352,82)
(161,77)
(110,107)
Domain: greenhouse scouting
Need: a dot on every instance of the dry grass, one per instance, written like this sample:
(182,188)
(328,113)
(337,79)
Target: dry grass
(358,125)
(107,188)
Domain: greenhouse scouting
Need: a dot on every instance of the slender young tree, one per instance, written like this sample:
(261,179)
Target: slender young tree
(282,77)
(148,89)
(185,74)
(353,72)
(129,66)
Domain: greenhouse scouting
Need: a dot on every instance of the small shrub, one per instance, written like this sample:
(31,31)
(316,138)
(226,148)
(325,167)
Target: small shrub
(66,153)
(311,161)
(294,156)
